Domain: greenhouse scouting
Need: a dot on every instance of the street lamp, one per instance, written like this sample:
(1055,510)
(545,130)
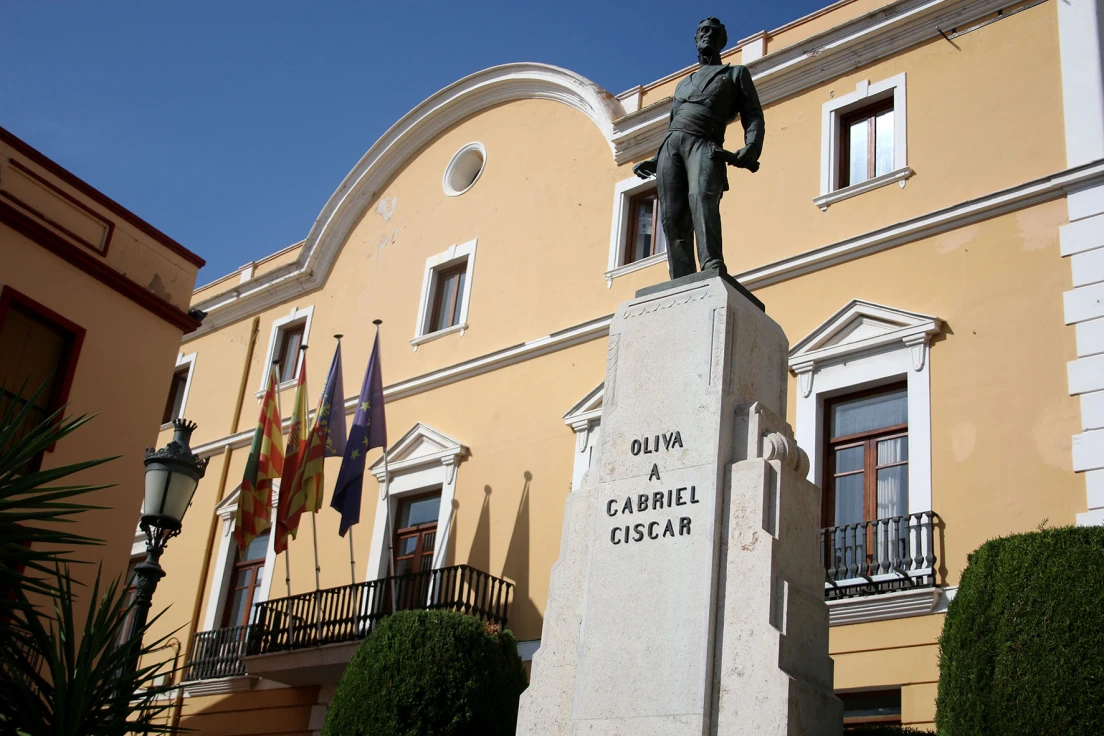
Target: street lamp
(172,474)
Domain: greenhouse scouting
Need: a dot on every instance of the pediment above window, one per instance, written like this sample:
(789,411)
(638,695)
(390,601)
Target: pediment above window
(863,328)
(422,446)
(585,415)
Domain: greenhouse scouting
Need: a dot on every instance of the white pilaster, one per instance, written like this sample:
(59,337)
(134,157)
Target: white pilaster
(1082,240)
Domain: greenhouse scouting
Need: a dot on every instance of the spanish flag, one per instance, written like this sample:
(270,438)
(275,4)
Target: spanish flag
(291,483)
(266,462)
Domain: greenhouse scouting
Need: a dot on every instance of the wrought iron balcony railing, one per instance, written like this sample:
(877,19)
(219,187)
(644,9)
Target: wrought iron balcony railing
(217,653)
(897,553)
(350,612)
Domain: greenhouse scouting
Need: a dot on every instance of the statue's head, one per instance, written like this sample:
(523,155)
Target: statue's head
(711,35)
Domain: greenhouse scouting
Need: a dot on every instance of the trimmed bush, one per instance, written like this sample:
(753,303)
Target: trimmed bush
(429,672)
(1022,649)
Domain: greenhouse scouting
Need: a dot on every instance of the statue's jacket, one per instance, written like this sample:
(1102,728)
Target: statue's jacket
(710,98)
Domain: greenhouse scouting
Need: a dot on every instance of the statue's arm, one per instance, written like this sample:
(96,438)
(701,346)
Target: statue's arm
(751,115)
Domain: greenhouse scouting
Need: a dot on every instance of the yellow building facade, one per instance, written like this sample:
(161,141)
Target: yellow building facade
(93,304)
(926,227)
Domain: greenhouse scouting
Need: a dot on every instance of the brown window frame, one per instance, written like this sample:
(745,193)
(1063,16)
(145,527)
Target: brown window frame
(421,530)
(869,441)
(286,368)
(233,587)
(634,219)
(868,113)
(176,389)
(440,278)
(73,334)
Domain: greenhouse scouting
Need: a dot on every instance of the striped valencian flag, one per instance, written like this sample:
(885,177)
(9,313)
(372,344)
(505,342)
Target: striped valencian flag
(265,463)
(291,482)
(326,439)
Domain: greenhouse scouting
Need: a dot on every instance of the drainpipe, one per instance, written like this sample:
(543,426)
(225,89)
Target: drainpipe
(213,528)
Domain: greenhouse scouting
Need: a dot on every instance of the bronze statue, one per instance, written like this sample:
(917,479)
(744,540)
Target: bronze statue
(690,164)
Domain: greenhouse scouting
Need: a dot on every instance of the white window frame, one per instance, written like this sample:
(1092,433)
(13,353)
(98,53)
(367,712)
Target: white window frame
(831,113)
(422,460)
(182,360)
(623,192)
(837,359)
(434,265)
(297,316)
(827,365)
(224,566)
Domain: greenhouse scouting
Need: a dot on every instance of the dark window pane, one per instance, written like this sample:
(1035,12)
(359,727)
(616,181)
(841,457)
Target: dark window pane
(404,567)
(407,546)
(292,338)
(257,549)
(849,459)
(869,413)
(237,607)
(849,499)
(419,511)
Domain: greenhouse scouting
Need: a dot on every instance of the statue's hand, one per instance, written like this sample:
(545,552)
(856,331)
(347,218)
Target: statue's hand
(645,169)
(746,159)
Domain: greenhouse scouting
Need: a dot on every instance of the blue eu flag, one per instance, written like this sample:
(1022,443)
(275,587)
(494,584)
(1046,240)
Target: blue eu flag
(369,430)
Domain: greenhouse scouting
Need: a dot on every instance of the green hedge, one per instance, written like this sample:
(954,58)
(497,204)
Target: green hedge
(429,672)
(1022,649)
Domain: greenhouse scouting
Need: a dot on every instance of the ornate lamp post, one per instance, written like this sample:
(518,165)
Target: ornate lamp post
(172,474)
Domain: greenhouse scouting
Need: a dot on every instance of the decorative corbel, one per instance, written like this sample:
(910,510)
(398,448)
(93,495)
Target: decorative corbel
(582,434)
(449,462)
(804,373)
(918,350)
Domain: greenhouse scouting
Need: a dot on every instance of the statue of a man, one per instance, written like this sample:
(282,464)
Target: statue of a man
(690,164)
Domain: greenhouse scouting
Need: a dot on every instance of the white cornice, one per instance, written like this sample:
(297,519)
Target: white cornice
(818,59)
(966,213)
(860,41)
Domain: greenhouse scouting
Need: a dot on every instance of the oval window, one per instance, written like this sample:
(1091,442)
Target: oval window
(464,169)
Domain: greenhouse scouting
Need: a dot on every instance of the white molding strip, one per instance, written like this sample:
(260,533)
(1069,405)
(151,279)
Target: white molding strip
(570,337)
(898,176)
(879,34)
(966,213)
(959,215)
(865,609)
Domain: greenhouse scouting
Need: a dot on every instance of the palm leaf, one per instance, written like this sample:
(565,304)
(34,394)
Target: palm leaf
(65,682)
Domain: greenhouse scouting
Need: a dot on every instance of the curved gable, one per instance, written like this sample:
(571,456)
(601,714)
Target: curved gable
(438,113)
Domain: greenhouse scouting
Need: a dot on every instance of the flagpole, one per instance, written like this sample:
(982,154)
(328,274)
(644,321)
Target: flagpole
(352,563)
(387,504)
(280,414)
(314,528)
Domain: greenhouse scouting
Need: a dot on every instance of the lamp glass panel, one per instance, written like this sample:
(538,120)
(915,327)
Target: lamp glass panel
(181,488)
(156,478)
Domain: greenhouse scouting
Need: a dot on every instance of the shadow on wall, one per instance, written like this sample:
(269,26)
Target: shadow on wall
(524,619)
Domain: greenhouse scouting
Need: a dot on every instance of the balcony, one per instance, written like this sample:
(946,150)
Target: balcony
(217,654)
(882,556)
(310,637)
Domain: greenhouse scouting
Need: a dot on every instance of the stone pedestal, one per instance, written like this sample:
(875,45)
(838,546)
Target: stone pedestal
(688,596)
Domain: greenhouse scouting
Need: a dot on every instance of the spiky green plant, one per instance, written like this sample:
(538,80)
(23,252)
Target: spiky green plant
(32,508)
(98,680)
(57,678)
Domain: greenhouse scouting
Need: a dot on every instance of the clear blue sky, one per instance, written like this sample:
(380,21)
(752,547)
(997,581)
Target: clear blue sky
(229,124)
